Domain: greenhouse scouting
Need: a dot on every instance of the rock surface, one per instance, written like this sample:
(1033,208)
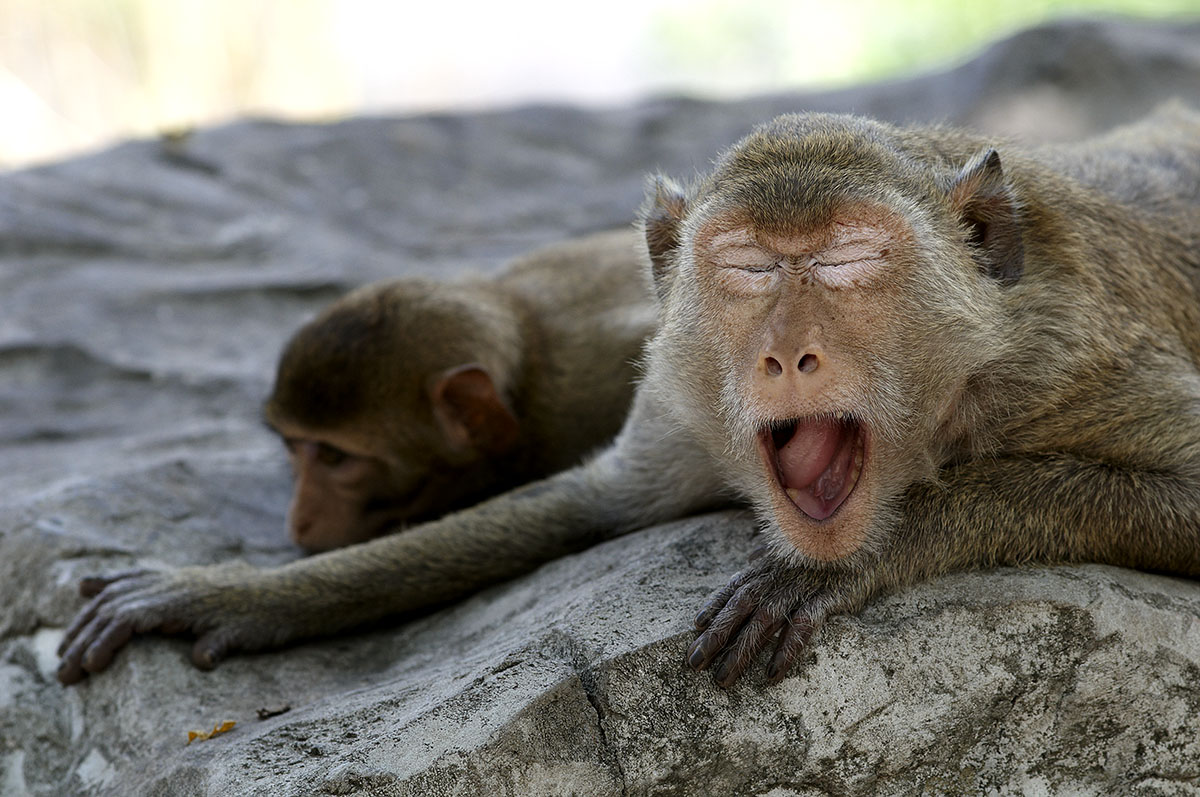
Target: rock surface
(144,294)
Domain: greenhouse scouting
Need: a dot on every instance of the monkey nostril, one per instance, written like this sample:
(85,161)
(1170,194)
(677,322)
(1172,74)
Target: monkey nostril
(807,364)
(773,366)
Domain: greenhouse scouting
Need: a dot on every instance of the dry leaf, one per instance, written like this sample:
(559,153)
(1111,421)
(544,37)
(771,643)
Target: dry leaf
(267,713)
(217,730)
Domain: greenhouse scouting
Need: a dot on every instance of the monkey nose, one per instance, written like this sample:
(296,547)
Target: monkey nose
(300,531)
(805,365)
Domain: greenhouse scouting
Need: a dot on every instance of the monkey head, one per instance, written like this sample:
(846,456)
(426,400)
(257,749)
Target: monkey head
(829,295)
(393,407)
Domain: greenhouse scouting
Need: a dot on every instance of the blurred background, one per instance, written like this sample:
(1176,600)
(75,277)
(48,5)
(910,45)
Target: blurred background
(77,74)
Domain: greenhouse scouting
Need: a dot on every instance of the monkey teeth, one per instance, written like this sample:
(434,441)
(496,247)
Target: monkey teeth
(816,461)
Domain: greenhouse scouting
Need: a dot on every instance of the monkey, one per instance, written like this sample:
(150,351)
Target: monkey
(409,398)
(911,350)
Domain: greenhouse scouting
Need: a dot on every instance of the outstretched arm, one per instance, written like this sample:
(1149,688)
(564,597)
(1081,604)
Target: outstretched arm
(649,474)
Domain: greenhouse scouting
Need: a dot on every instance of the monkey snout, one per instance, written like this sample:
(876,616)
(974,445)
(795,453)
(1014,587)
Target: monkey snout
(806,364)
(780,380)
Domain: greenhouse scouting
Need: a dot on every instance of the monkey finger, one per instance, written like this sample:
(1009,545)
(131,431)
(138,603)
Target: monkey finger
(212,648)
(69,672)
(750,639)
(81,621)
(703,649)
(174,626)
(100,653)
(794,640)
(730,616)
(70,668)
(90,586)
(716,603)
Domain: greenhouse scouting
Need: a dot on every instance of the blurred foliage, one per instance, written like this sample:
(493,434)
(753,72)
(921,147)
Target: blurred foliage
(815,42)
(77,73)
(74,73)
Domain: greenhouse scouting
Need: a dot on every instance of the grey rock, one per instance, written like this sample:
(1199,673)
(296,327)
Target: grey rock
(144,294)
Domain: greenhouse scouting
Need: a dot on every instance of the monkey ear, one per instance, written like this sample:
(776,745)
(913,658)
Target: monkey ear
(988,209)
(471,413)
(662,213)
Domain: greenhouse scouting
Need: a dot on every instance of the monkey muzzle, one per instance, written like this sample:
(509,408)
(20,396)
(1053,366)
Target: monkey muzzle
(817,461)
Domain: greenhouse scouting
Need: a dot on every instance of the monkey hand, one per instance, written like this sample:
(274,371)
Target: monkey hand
(770,598)
(219,604)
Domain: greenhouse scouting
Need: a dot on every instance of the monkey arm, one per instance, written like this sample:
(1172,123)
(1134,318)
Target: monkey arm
(1035,509)
(649,474)
(1054,509)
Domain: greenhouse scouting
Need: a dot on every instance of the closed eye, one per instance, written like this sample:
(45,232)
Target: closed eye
(846,262)
(748,258)
(328,455)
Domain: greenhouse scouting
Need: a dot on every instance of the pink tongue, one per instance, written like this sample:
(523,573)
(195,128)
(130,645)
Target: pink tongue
(806,456)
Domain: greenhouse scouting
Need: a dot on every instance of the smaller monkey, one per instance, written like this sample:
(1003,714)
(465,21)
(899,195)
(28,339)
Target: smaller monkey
(407,399)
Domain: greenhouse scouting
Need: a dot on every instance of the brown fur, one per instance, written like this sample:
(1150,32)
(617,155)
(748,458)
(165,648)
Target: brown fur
(1021,343)
(408,399)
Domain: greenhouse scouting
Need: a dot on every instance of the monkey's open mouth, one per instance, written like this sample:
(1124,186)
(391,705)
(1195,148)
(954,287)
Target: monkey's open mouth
(817,461)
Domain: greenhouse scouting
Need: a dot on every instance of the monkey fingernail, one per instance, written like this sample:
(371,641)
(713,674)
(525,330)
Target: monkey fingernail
(696,656)
(780,664)
(67,673)
(90,586)
(206,658)
(726,672)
